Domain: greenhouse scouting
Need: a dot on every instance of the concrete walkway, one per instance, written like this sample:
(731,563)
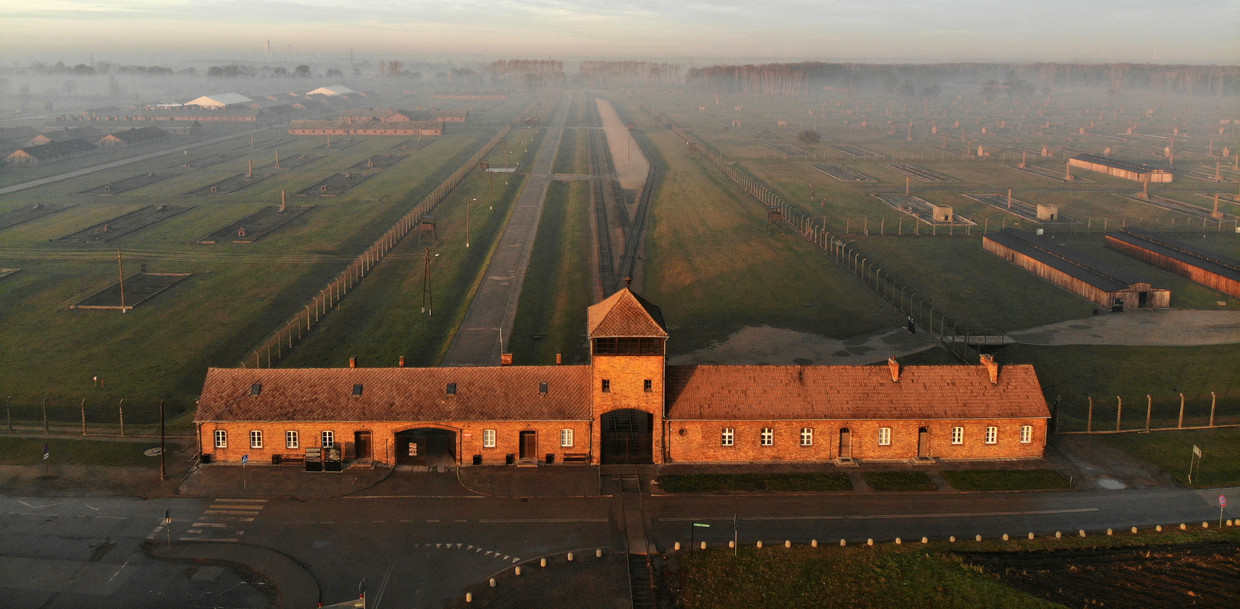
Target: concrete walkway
(494,307)
(297,586)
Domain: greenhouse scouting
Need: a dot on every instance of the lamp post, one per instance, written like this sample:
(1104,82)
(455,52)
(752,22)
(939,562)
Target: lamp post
(468,205)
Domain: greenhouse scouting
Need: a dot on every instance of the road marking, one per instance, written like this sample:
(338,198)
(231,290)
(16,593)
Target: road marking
(896,516)
(545,520)
(118,571)
(214,525)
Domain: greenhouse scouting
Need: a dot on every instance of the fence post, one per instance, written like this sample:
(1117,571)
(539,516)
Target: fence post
(121,410)
(1149,408)
(1119,411)
(83,416)
(1213,401)
(1181,424)
(46,430)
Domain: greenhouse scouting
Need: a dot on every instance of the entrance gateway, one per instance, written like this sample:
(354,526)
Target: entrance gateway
(627,437)
(425,446)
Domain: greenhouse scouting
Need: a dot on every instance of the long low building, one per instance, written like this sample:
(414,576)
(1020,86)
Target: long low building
(626,406)
(1090,279)
(367,128)
(1213,270)
(1136,172)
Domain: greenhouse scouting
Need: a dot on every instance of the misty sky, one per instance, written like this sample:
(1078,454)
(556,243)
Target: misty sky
(1161,31)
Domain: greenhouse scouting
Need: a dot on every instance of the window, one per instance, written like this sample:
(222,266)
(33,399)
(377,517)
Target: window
(1026,434)
(566,438)
(606,386)
(768,436)
(357,389)
(329,439)
(221,438)
(884,436)
(291,440)
(542,388)
(256,439)
(807,436)
(488,438)
(648,385)
(451,389)
(728,438)
(992,435)
(256,388)
(957,435)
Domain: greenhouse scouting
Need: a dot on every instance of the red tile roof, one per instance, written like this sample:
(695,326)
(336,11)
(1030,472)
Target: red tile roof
(396,394)
(625,314)
(851,392)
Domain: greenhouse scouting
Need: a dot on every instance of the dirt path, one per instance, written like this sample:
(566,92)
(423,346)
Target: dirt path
(626,155)
(1139,328)
(767,345)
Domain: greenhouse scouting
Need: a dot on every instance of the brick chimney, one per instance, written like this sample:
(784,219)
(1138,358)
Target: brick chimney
(401,362)
(894,366)
(992,367)
(559,359)
(505,359)
(353,361)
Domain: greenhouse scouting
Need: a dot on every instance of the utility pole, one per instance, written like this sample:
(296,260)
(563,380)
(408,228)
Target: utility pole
(120,270)
(163,473)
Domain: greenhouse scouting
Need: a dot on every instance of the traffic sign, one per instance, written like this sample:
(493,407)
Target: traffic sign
(245,459)
(1222,501)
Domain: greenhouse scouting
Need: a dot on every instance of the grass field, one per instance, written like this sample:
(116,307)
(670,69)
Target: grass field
(943,575)
(713,269)
(1171,451)
(898,481)
(558,288)
(29,451)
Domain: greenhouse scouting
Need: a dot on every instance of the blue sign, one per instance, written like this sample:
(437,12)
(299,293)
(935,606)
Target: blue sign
(245,459)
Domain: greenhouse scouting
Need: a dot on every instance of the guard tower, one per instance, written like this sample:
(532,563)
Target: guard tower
(627,360)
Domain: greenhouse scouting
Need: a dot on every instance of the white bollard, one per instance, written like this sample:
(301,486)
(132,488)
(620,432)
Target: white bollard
(869,542)
(676,547)
(1183,527)
(469,597)
(1058,535)
(759,544)
(1110,532)
(899,541)
(492,582)
(1005,537)
(787,543)
(598,553)
(1205,525)
(1031,535)
(1081,532)
(542,563)
(703,546)
(843,543)
(1134,530)
(570,557)
(925,540)
(517,571)
(951,539)
(813,543)
(977,538)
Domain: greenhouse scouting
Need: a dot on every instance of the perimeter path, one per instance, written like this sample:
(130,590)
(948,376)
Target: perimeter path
(111,165)
(477,341)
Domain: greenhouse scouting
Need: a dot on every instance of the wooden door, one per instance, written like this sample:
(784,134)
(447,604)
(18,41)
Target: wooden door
(845,444)
(923,443)
(362,445)
(529,445)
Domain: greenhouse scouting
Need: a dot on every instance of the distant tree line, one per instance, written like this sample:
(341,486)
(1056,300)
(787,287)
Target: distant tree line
(618,73)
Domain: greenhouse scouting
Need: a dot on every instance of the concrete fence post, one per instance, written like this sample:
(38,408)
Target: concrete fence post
(1181,422)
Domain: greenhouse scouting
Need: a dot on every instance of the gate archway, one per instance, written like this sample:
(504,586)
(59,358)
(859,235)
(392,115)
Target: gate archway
(627,437)
(429,446)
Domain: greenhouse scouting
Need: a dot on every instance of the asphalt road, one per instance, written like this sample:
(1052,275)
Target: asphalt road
(424,551)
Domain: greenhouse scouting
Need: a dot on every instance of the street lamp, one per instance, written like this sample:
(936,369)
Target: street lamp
(468,206)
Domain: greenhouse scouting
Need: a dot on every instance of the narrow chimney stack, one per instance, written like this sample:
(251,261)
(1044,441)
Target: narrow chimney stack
(505,359)
(992,367)
(353,361)
(559,359)
(401,362)
(894,366)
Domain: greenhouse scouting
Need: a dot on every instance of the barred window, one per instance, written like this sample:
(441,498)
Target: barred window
(768,436)
(807,436)
(728,438)
(329,439)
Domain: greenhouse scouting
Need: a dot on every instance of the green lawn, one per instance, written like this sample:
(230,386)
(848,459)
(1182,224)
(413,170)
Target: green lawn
(29,451)
(1171,451)
(898,481)
(792,482)
(1005,480)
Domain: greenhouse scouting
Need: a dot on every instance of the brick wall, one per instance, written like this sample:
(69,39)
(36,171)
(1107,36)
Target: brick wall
(468,440)
(626,376)
(700,441)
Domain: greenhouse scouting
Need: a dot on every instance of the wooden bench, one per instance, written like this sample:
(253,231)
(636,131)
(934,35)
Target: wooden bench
(279,459)
(582,458)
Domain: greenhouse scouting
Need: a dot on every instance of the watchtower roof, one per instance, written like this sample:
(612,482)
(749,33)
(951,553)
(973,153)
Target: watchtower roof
(625,314)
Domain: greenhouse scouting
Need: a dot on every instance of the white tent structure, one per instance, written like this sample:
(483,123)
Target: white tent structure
(332,90)
(219,101)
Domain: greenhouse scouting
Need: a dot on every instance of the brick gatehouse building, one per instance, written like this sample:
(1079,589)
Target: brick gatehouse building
(625,406)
